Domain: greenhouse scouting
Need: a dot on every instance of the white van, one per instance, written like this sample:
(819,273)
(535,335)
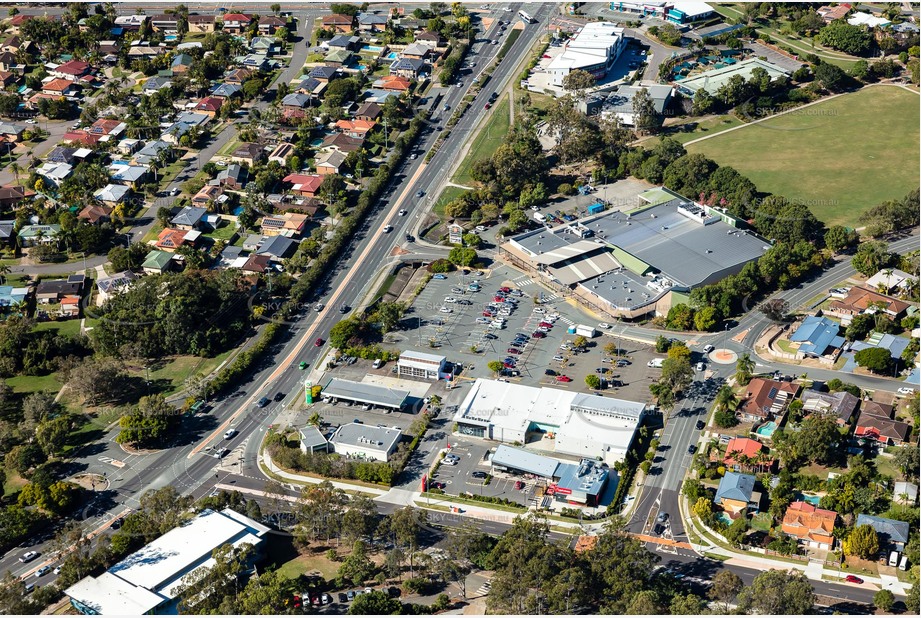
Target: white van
(656,363)
(893,558)
(377,364)
(903,564)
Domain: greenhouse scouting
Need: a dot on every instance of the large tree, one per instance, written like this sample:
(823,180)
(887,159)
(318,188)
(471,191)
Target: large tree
(778,592)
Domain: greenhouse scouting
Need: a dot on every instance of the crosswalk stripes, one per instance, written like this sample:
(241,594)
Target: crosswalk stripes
(566,320)
(484,589)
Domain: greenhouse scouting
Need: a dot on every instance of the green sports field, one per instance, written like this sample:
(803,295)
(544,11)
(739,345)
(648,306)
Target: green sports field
(840,156)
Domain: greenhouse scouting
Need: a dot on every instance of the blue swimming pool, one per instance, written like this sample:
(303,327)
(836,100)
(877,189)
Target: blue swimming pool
(372,48)
(767,430)
(813,500)
(392,56)
(171,37)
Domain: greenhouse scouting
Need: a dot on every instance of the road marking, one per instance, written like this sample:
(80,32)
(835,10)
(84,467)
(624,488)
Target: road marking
(113,462)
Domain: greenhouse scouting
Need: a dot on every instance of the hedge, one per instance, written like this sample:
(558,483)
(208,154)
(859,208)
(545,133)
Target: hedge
(232,373)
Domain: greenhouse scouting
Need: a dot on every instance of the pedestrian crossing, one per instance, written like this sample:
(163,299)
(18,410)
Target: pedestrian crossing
(484,589)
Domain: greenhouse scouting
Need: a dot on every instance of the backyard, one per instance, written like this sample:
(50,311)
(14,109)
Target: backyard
(830,156)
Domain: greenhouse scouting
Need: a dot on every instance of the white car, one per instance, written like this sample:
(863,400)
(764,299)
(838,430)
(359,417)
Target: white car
(402,213)
(604,326)
(446,310)
(31,121)
(906,391)
(505,312)
(708,348)
(387,229)
(229,434)
(543,329)
(538,310)
(482,320)
(700,366)
(558,358)
(480,228)
(450,299)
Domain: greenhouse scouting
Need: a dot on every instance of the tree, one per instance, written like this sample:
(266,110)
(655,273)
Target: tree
(686,605)
(52,434)
(745,368)
(495,366)
(884,600)
(357,567)
(97,380)
(776,309)
(577,82)
(703,509)
(778,592)
(725,419)
(593,381)
(862,541)
(726,587)
(462,256)
(912,599)
(703,103)
(839,237)
(844,37)
(375,603)
(388,314)
(706,318)
(876,360)
(644,112)
(736,531)
(860,326)
(907,460)
(871,257)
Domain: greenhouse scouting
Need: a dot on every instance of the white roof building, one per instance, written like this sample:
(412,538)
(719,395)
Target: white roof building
(360,441)
(865,19)
(149,579)
(584,425)
(420,365)
(594,49)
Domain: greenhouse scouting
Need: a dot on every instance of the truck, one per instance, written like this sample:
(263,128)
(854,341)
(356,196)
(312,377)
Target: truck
(656,363)
(539,217)
(585,331)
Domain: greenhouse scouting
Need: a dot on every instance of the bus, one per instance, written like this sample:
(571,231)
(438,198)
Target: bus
(526,18)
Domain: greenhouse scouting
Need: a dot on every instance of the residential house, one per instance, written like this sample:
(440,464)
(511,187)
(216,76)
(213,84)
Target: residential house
(303,184)
(338,58)
(372,22)
(110,50)
(742,453)
(16,22)
(81,136)
(356,128)
(257,264)
(288,203)
(842,405)
(409,68)
(861,299)
(130,23)
(818,338)
(111,195)
(289,224)
(392,83)
(876,423)
(133,176)
(189,218)
(330,163)
(155,84)
(892,534)
(200,23)
(11,132)
(235,23)
(10,296)
(831,13)
(61,154)
(295,101)
(342,41)
(11,44)
(248,153)
(810,526)
(181,64)
(338,23)
(8,79)
(342,143)
(433,38)
(252,242)
(105,127)
(208,194)
(892,281)
(233,176)
(210,106)
(418,51)
(107,287)
(171,239)
(96,213)
(238,76)
(269,24)
(72,70)
(311,87)
(11,196)
(53,291)
(60,87)
(55,173)
(736,494)
(369,112)
(767,399)
(281,153)
(158,262)
(263,45)
(183,125)
(277,247)
(165,23)
(152,152)
(323,74)
(227,91)
(893,344)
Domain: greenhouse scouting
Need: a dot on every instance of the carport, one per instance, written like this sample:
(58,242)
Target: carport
(370,394)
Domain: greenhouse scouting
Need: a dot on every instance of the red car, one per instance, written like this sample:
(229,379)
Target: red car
(519,485)
(498,299)
(513,351)
(538,335)
(505,289)
(508,365)
(563,379)
(487,106)
(853,579)
(318,342)
(438,485)
(489,314)
(546,324)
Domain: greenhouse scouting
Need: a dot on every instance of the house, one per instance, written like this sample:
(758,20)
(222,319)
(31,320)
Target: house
(200,23)
(106,127)
(831,13)
(861,299)
(905,493)
(842,405)
(233,176)
(372,22)
(155,84)
(434,38)
(289,224)
(189,218)
(112,194)
(165,23)
(171,239)
(70,307)
(133,176)
(96,213)
(256,264)
(323,74)
(61,154)
(338,58)
(735,494)
(269,24)
(11,132)
(227,91)
(409,68)
(235,23)
(81,136)
(11,44)
(208,194)
(893,534)
(256,62)
(211,106)
(72,70)
(356,128)
(183,125)
(303,184)
(151,153)
(107,287)
(742,453)
(158,262)
(311,86)
(341,41)
(369,112)
(263,45)
(295,100)
(60,87)
(817,338)
(130,23)
(891,281)
(281,153)
(392,83)
(16,22)
(278,247)
(338,23)
(876,423)
(330,163)
(180,64)
(767,399)
(11,196)
(342,143)
(52,291)
(238,76)
(10,296)
(55,173)
(248,153)
(417,51)
(810,526)
(252,242)
(8,79)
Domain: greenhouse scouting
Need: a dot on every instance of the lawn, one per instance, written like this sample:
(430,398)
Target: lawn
(448,195)
(169,173)
(762,522)
(224,232)
(830,156)
(173,373)
(491,135)
(69,328)
(701,129)
(34,384)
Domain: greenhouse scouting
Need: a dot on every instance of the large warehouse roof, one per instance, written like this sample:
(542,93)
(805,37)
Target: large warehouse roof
(525,461)
(365,393)
(712,80)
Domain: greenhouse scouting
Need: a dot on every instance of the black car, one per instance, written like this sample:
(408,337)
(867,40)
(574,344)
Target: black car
(116,524)
(409,238)
(279,396)
(263,402)
(692,449)
(344,309)
(549,372)
(343,598)
(478,474)
(700,424)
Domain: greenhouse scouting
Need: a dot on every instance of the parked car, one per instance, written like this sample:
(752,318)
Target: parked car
(549,372)
(563,379)
(343,598)
(478,474)
(519,485)
(538,335)
(853,579)
(446,310)
(439,277)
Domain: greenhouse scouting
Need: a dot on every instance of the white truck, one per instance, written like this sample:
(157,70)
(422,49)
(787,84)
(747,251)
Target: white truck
(656,363)
(540,217)
(586,331)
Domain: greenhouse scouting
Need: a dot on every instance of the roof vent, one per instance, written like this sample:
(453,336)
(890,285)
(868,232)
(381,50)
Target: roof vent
(709,250)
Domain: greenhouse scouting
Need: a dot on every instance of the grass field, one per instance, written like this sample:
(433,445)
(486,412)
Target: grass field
(448,195)
(840,157)
(487,141)
(67,327)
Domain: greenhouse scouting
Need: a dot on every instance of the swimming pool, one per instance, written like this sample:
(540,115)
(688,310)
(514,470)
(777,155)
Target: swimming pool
(171,37)
(767,430)
(316,142)
(723,517)
(813,500)
(372,48)
(392,56)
